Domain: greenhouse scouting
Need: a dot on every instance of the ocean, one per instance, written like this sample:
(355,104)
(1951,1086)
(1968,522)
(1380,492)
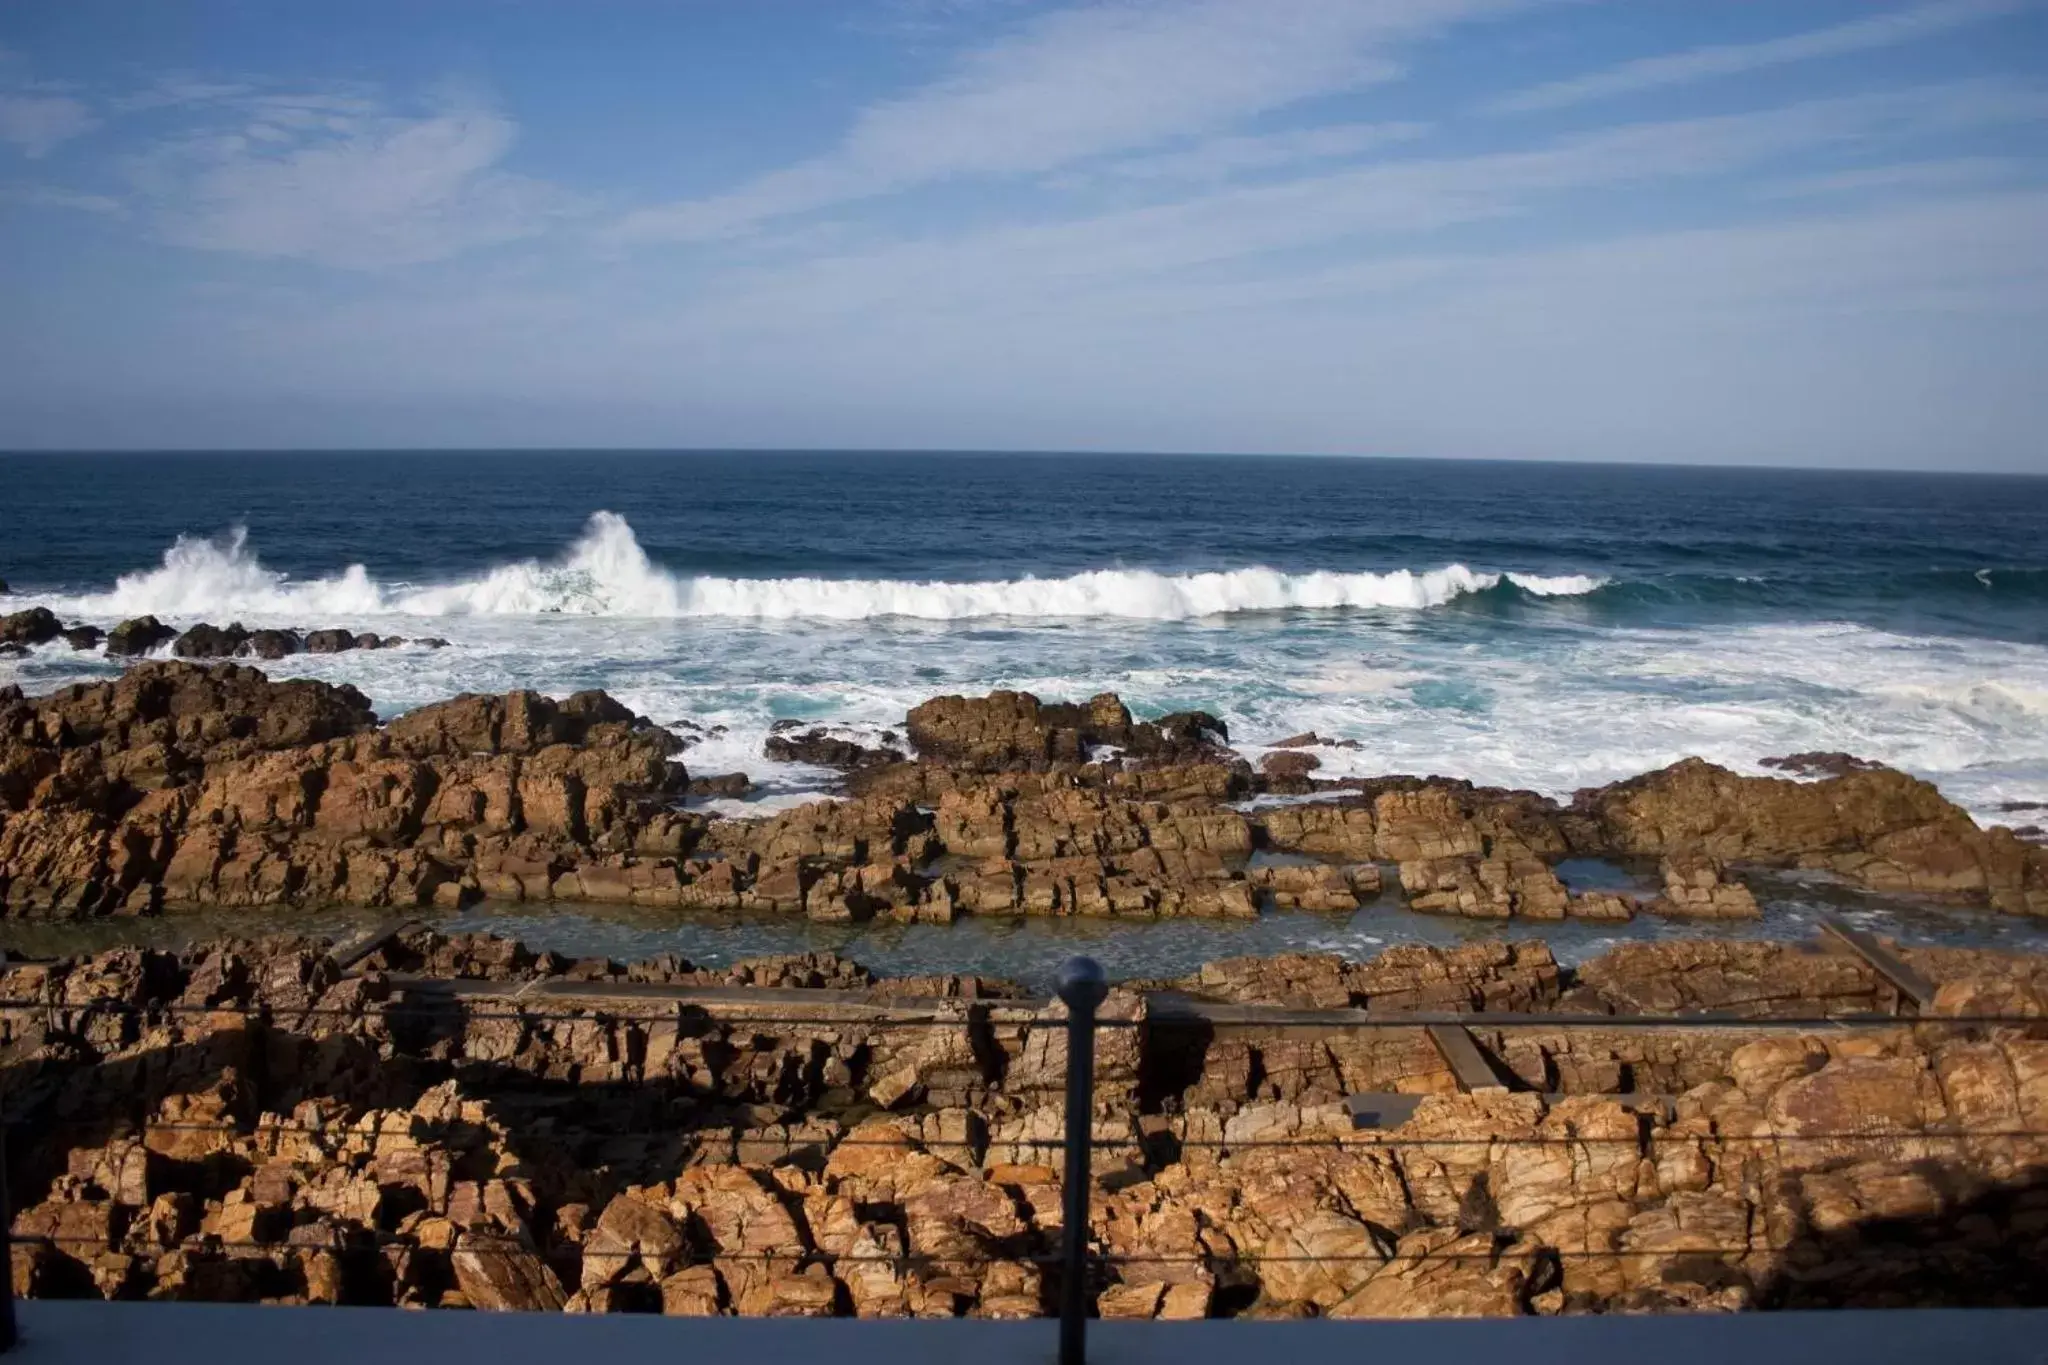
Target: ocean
(1534,625)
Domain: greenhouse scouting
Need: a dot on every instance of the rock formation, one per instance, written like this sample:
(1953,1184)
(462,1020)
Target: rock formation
(182,785)
(35,626)
(139,636)
(241,1121)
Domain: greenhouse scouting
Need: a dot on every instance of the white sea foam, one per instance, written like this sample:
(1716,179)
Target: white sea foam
(607,573)
(1416,691)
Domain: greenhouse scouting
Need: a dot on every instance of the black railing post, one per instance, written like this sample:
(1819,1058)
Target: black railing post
(7,1335)
(1082,988)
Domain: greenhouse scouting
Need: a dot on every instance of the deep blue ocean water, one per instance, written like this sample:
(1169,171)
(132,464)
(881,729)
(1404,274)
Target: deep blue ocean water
(1546,626)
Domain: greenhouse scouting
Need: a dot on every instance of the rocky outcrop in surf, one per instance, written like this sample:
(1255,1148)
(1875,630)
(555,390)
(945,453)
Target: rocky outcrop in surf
(251,1121)
(181,785)
(142,635)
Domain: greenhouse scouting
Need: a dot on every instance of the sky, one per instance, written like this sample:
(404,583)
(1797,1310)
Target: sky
(1799,232)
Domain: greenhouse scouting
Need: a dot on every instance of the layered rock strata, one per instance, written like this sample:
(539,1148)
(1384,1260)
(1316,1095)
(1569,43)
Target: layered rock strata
(182,785)
(243,1122)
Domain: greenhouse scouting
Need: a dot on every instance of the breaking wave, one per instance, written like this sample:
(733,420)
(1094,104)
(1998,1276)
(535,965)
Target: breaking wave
(607,573)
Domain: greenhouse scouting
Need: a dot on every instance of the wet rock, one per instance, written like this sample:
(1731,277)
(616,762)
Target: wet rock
(138,636)
(721,784)
(330,641)
(205,641)
(1819,764)
(1881,828)
(36,626)
(820,746)
(84,637)
(1290,765)
(1010,731)
(1699,886)
(271,644)
(1309,739)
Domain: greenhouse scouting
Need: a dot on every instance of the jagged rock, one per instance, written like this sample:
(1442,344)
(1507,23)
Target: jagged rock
(1818,764)
(1698,886)
(1007,731)
(84,637)
(721,784)
(36,626)
(500,1274)
(271,644)
(205,641)
(1231,1179)
(1882,828)
(214,786)
(138,636)
(821,747)
(1289,765)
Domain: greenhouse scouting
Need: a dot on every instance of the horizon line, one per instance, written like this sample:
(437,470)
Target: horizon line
(1747,466)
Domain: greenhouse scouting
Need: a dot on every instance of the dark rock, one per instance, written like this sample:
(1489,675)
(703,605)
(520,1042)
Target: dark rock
(329,641)
(205,641)
(138,636)
(724,784)
(84,637)
(36,626)
(1819,764)
(369,640)
(271,644)
(431,642)
(1310,739)
(825,749)
(1182,737)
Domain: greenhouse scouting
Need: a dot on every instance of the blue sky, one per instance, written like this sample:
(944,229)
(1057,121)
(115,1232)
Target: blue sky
(1707,230)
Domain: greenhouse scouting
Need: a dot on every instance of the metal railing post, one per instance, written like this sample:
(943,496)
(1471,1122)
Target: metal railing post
(1082,988)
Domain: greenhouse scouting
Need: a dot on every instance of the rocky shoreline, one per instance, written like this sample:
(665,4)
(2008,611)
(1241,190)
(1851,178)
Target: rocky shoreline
(182,786)
(250,1120)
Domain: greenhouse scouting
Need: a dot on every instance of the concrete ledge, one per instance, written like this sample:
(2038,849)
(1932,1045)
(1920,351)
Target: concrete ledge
(91,1333)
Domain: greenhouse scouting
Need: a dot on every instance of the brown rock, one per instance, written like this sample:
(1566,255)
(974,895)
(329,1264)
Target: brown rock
(36,626)
(500,1274)
(139,636)
(205,641)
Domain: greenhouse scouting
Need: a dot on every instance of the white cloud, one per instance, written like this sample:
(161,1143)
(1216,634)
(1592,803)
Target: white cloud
(1223,158)
(339,181)
(1951,173)
(1704,63)
(57,197)
(36,124)
(1080,83)
(1035,265)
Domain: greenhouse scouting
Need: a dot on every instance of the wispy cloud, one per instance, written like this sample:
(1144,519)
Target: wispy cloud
(1079,83)
(338,179)
(1731,59)
(1916,176)
(1223,158)
(57,197)
(36,124)
(1034,265)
